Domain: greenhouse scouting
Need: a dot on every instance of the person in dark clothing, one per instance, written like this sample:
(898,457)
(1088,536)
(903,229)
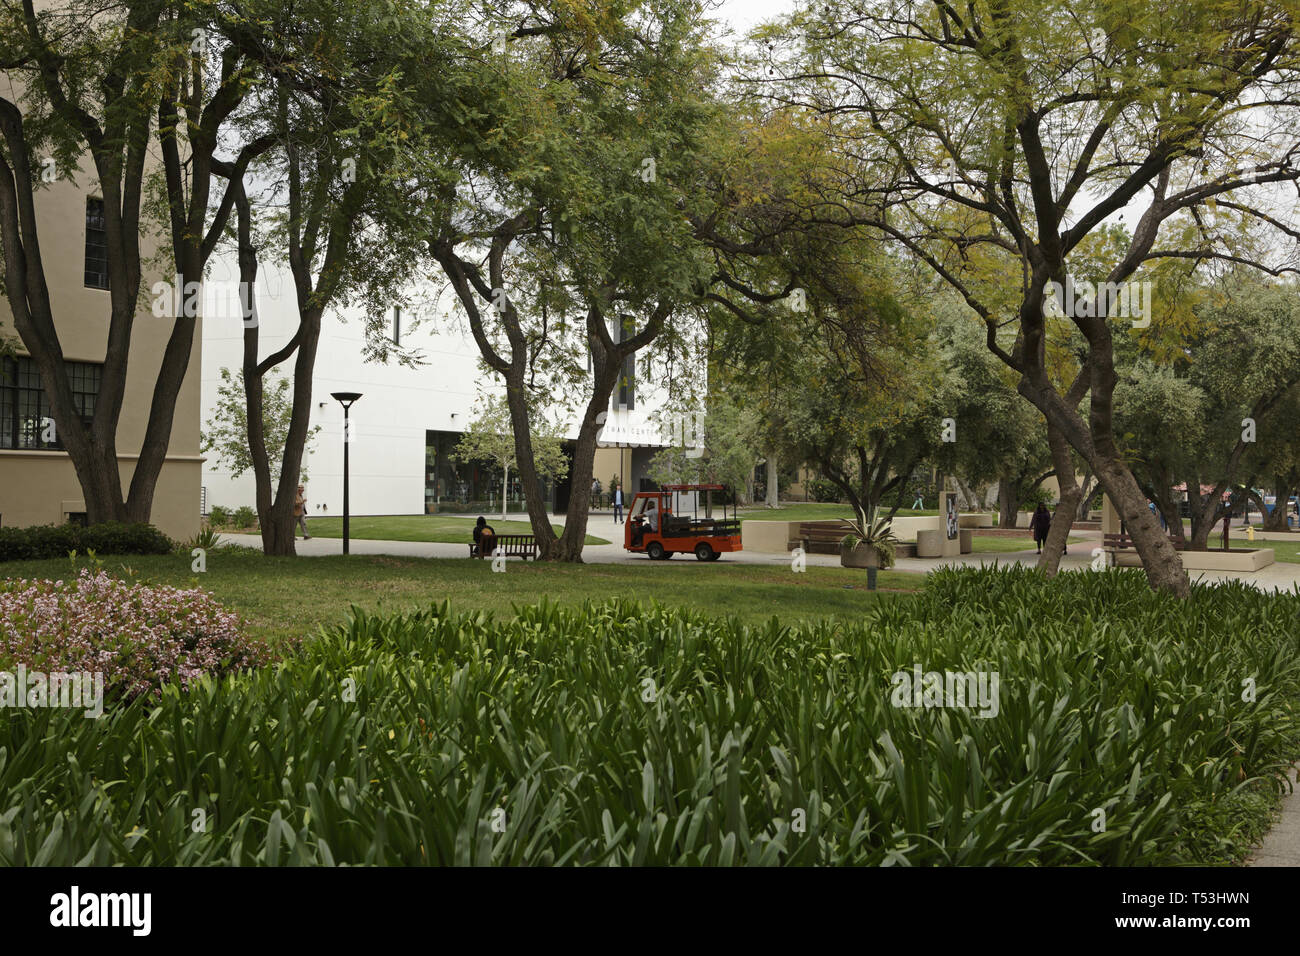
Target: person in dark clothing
(1040,524)
(485,538)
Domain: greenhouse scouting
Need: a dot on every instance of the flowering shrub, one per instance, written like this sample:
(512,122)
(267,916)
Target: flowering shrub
(139,636)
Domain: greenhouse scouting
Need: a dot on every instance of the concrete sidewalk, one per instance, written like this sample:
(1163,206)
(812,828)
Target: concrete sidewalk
(1281,846)
(1278,576)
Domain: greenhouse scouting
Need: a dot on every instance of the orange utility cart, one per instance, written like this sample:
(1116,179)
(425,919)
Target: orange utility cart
(658,527)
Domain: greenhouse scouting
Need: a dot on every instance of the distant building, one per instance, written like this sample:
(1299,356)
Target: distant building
(38,483)
(407,424)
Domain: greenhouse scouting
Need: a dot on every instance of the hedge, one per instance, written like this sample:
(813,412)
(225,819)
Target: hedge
(55,541)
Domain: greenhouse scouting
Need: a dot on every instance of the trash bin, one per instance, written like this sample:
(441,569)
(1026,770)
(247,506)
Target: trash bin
(966,542)
(929,544)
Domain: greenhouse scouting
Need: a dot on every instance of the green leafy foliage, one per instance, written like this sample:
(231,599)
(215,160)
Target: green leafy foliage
(226,434)
(625,734)
(55,541)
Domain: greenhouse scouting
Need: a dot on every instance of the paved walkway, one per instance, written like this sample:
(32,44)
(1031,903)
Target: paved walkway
(1281,846)
(1277,576)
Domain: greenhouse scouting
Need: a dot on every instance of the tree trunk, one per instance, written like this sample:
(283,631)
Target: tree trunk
(1276,520)
(773,492)
(1085,495)
(1206,511)
(1008,503)
(1063,520)
(505,489)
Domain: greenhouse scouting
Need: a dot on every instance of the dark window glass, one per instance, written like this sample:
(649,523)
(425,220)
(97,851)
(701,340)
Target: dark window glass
(620,331)
(96,245)
(25,417)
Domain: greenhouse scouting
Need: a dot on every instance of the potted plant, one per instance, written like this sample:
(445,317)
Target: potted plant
(870,542)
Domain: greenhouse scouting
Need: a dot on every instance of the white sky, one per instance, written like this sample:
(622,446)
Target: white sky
(743,14)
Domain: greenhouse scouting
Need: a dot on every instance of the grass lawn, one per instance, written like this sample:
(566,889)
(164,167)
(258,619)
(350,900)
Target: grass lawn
(1000,545)
(1285,551)
(282,597)
(814,511)
(441,528)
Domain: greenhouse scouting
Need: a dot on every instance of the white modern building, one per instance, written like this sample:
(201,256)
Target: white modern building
(408,420)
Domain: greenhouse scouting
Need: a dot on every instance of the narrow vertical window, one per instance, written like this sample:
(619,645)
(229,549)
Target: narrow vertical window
(96,245)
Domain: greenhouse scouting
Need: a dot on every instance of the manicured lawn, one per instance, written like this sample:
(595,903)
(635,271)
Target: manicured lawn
(440,528)
(1285,551)
(281,597)
(1000,545)
(813,511)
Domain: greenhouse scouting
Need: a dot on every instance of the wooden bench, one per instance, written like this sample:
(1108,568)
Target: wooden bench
(1123,542)
(510,546)
(817,538)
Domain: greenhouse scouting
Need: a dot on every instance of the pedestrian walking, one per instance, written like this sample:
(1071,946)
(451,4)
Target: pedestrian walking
(300,512)
(1040,524)
(618,503)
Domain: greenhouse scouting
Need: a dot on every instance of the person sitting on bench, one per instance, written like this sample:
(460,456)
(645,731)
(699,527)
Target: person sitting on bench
(485,538)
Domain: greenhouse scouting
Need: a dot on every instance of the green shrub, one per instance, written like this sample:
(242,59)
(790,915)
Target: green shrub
(826,492)
(620,733)
(55,541)
(207,539)
(219,516)
(244,517)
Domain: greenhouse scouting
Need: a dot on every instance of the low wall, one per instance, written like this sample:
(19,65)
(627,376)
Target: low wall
(767,536)
(774,537)
(1238,559)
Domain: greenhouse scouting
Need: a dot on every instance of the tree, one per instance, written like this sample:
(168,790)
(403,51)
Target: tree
(566,240)
(723,447)
(226,434)
(340,110)
(994,434)
(1019,130)
(490,437)
(99,82)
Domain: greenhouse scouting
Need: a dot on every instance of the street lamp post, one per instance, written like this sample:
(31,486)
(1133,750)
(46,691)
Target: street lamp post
(345,399)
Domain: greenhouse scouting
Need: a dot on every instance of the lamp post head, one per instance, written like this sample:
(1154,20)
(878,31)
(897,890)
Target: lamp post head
(345,398)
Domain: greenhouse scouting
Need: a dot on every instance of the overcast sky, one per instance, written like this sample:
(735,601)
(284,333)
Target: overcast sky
(743,14)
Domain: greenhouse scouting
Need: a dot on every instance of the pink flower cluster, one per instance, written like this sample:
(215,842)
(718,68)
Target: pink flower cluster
(138,636)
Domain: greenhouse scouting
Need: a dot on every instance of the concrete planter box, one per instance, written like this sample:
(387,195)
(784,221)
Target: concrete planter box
(929,544)
(980,520)
(1238,559)
(767,536)
(859,556)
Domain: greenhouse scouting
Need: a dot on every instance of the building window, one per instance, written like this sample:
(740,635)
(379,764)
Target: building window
(25,417)
(96,245)
(620,331)
(397,325)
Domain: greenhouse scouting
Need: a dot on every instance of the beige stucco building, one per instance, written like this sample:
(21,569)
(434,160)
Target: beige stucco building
(38,484)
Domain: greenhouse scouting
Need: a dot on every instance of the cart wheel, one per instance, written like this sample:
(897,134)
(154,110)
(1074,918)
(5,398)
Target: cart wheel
(655,551)
(703,552)
(715,555)
(668,554)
